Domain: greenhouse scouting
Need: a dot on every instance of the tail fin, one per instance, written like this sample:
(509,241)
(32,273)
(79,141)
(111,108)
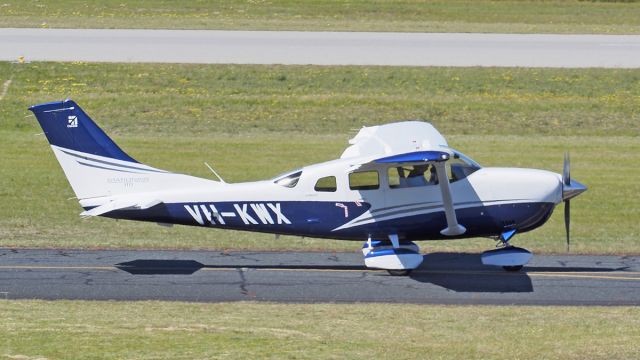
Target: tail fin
(94,165)
(67,126)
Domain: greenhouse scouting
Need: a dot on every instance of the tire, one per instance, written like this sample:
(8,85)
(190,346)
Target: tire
(404,272)
(513,268)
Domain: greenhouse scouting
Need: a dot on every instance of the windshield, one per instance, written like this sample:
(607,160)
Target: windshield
(461,166)
(469,161)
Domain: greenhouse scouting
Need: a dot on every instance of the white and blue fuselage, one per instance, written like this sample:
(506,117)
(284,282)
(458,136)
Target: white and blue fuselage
(486,203)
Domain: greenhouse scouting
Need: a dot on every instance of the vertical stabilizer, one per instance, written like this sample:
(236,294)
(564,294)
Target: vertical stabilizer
(67,126)
(94,165)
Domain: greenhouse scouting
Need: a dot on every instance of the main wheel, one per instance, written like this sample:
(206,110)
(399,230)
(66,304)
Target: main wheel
(513,268)
(404,272)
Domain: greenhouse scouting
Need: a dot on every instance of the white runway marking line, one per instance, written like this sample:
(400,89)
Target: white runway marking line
(5,88)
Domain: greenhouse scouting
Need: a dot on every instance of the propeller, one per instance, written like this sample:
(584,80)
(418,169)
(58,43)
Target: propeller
(570,189)
(566,182)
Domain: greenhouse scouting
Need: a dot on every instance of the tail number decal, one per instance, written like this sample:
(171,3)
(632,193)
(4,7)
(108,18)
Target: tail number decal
(250,214)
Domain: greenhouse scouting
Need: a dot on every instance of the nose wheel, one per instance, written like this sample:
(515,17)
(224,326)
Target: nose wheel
(513,268)
(405,272)
(509,257)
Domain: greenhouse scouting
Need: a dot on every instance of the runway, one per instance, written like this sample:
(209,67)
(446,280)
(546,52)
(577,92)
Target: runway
(320,48)
(209,276)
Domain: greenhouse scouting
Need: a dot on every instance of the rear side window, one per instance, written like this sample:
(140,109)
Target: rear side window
(364,180)
(326,184)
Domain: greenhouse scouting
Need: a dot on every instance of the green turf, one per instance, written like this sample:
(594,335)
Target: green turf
(254,122)
(142,330)
(355,15)
(184,100)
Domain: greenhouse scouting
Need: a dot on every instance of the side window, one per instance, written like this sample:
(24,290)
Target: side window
(326,184)
(412,176)
(396,177)
(364,180)
(290,180)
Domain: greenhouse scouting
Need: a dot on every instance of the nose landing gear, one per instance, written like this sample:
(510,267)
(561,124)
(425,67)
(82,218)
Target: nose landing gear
(509,257)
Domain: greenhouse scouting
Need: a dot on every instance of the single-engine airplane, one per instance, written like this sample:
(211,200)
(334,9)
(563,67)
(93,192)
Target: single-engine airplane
(395,183)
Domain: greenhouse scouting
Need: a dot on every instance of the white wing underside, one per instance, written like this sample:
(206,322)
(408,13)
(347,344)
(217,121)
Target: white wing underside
(395,138)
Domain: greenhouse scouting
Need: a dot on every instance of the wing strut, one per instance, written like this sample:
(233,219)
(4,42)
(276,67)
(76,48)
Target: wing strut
(453,228)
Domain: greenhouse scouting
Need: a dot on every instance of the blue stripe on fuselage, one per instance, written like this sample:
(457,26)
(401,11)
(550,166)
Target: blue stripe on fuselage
(319,219)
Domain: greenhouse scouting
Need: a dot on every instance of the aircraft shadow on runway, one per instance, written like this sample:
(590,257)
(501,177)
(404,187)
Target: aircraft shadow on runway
(462,272)
(188,267)
(459,272)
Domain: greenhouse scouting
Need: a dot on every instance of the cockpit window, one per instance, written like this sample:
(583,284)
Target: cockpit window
(288,180)
(461,166)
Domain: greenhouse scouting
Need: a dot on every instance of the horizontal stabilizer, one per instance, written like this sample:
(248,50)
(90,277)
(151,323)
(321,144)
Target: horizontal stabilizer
(119,205)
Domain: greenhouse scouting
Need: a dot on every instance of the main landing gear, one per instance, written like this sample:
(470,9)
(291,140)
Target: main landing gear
(399,259)
(511,258)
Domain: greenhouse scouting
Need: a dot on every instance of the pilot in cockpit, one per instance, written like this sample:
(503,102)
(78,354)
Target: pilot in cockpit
(416,176)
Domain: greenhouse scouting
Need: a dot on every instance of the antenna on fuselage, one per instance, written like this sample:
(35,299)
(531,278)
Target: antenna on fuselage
(215,173)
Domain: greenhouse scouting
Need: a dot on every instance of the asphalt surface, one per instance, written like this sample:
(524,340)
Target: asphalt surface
(320,48)
(204,276)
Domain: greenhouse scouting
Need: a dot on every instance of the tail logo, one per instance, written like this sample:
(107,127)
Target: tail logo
(72,121)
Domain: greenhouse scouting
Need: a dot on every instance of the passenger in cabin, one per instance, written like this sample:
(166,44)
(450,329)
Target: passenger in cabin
(416,176)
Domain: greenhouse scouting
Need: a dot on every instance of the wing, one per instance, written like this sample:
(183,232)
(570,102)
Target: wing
(396,138)
(409,143)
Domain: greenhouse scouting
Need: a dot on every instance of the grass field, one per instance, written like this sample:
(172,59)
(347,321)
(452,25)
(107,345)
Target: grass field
(607,17)
(141,330)
(254,122)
